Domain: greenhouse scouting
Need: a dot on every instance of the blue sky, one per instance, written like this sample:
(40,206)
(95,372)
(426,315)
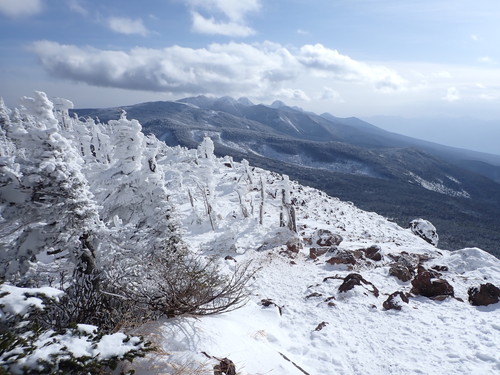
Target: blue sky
(348,57)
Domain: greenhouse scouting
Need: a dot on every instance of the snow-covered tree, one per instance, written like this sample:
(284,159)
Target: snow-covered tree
(45,198)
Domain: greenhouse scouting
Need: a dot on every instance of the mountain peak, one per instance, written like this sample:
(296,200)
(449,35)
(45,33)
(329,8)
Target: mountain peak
(278,104)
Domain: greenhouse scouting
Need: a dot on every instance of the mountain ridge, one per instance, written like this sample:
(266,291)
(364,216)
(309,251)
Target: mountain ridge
(345,157)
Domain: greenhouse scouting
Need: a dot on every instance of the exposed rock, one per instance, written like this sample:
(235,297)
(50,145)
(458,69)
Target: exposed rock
(325,238)
(315,252)
(353,279)
(440,268)
(266,302)
(315,294)
(373,253)
(426,284)
(226,366)
(486,294)
(321,326)
(400,271)
(393,302)
(294,245)
(342,257)
(425,230)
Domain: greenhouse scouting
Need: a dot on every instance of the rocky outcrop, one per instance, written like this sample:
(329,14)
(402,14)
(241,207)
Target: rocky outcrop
(428,284)
(425,230)
(395,300)
(486,294)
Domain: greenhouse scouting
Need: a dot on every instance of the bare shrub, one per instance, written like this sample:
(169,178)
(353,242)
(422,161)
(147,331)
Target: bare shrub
(188,284)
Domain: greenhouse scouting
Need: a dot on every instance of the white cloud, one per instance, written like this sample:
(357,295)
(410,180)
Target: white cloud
(331,63)
(443,74)
(474,37)
(293,94)
(331,95)
(211,26)
(77,7)
(18,8)
(223,17)
(219,69)
(452,95)
(486,60)
(127,26)
(302,32)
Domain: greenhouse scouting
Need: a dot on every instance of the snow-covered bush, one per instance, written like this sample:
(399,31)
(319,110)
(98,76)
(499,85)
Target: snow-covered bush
(28,348)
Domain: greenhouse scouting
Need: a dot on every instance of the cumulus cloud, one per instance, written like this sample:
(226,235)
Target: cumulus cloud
(219,69)
(127,26)
(17,8)
(330,62)
(223,17)
(452,95)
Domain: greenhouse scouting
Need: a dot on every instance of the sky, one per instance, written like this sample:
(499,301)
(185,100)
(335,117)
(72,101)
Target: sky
(363,58)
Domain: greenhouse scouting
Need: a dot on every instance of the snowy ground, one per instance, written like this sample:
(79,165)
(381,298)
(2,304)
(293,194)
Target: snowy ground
(319,330)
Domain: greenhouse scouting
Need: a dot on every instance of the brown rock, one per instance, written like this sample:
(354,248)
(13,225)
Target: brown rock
(353,279)
(393,302)
(373,253)
(325,238)
(401,271)
(426,284)
(226,366)
(342,257)
(486,294)
(315,252)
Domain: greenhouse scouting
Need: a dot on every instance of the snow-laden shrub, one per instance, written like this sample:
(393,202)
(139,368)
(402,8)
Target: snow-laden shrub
(28,348)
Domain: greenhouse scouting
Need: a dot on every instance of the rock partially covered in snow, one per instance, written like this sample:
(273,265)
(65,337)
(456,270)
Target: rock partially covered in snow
(425,230)
(427,284)
(325,238)
(486,294)
(395,300)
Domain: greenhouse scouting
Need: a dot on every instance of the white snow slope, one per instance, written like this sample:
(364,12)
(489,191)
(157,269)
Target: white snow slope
(358,335)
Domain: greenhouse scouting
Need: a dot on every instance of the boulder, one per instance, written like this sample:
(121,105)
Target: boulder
(353,279)
(427,284)
(315,252)
(395,300)
(400,271)
(342,257)
(225,367)
(486,294)
(373,253)
(425,230)
(294,245)
(325,238)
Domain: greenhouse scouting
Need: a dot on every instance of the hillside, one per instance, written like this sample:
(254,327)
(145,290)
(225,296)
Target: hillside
(332,288)
(395,176)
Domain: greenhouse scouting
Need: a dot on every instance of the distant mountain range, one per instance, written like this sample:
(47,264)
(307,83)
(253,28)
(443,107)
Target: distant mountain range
(397,176)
